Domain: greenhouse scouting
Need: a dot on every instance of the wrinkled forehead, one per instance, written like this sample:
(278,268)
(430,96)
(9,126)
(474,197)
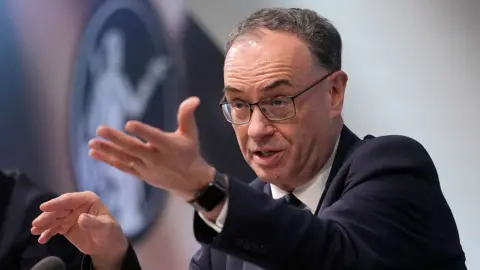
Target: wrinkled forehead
(267,49)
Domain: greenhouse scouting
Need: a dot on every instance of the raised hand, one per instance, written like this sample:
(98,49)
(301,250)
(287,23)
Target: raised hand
(86,222)
(168,160)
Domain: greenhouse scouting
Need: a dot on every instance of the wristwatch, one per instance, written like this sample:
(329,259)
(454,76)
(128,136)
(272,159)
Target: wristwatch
(212,195)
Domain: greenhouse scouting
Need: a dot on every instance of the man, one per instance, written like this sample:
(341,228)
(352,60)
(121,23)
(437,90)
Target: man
(324,199)
(20,199)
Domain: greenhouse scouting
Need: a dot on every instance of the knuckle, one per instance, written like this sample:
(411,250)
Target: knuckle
(111,224)
(91,194)
(66,195)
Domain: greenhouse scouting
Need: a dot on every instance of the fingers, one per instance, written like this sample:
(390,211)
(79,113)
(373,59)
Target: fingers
(36,230)
(114,155)
(65,229)
(98,227)
(46,235)
(125,142)
(69,201)
(49,224)
(46,219)
(186,117)
(60,221)
(146,132)
(92,223)
(155,136)
(132,167)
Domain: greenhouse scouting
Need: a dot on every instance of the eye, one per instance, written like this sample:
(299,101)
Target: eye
(238,104)
(280,101)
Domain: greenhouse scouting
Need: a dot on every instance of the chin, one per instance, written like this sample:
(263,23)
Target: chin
(269,175)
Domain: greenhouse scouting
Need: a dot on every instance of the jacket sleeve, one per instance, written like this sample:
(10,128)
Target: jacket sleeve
(24,207)
(383,218)
(130,261)
(58,245)
(201,260)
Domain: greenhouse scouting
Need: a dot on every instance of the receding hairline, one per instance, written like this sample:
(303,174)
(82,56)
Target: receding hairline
(259,33)
(318,33)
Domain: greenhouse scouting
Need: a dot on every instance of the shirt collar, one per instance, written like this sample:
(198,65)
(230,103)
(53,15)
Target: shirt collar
(311,192)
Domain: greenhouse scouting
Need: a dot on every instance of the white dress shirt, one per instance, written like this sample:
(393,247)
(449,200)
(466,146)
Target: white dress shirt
(309,194)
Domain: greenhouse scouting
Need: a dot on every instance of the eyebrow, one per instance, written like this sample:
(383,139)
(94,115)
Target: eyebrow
(270,86)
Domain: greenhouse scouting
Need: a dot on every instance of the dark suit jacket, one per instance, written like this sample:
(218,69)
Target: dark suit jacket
(19,205)
(382,208)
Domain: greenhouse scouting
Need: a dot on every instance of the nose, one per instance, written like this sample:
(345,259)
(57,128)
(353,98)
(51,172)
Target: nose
(259,125)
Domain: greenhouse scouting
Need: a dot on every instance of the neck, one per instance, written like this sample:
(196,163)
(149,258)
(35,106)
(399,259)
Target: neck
(320,162)
(287,188)
(323,164)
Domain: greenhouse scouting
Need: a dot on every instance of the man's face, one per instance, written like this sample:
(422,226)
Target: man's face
(270,64)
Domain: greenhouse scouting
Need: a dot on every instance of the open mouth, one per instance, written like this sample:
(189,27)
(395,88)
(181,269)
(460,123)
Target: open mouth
(267,158)
(265,153)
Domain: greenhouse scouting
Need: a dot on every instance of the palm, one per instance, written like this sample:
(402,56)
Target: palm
(168,160)
(83,240)
(182,155)
(83,219)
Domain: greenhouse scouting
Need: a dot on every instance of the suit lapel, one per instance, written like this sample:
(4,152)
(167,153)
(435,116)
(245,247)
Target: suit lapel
(347,143)
(258,185)
(267,189)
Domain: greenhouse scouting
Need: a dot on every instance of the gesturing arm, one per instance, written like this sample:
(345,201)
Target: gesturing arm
(385,216)
(390,208)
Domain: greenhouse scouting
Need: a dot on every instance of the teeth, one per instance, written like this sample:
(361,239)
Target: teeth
(267,153)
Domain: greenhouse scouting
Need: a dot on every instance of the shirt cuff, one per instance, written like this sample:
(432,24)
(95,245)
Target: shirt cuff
(218,224)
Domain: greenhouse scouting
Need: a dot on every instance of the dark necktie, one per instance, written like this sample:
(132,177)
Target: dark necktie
(290,199)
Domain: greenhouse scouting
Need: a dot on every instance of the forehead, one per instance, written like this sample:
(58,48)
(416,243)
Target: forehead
(264,51)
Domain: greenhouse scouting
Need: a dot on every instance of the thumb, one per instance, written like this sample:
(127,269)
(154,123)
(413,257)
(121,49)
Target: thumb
(95,225)
(186,117)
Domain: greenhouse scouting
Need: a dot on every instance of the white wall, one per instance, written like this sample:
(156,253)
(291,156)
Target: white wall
(414,70)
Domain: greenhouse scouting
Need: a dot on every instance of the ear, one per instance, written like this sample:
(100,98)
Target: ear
(337,92)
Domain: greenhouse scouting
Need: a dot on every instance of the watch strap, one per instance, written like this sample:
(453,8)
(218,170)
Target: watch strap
(212,195)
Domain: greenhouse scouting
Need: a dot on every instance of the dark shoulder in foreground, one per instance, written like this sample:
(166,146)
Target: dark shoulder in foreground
(417,193)
(20,204)
(394,153)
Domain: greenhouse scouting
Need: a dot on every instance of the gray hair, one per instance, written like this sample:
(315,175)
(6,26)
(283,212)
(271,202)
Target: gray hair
(317,32)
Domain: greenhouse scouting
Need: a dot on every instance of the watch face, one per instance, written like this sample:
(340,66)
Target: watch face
(124,70)
(212,195)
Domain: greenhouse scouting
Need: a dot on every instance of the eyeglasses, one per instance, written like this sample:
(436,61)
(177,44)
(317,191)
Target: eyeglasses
(275,109)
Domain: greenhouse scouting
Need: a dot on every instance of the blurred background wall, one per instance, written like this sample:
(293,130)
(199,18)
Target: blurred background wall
(61,74)
(412,65)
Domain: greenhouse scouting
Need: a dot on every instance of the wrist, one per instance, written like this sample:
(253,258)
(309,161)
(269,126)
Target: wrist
(211,198)
(213,214)
(112,260)
(204,175)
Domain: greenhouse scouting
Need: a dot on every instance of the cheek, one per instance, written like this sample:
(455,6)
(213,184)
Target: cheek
(304,131)
(317,116)
(290,134)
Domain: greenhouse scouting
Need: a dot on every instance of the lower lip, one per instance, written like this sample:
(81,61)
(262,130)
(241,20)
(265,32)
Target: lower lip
(268,161)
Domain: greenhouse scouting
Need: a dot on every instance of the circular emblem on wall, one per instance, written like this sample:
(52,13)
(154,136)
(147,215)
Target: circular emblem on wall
(124,70)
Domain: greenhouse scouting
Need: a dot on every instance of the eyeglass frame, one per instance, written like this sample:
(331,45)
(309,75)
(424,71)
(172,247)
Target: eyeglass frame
(292,98)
